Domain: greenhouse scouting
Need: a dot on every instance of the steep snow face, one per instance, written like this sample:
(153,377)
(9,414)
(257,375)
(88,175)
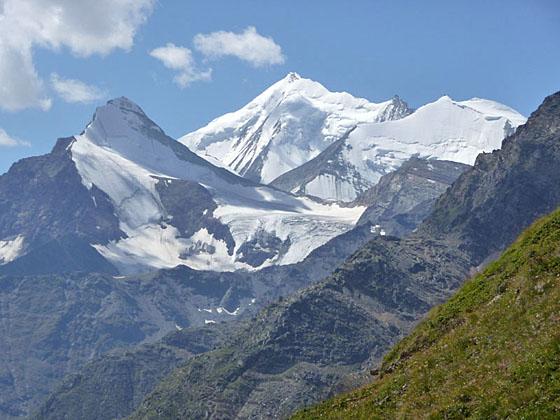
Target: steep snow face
(125,154)
(445,129)
(287,125)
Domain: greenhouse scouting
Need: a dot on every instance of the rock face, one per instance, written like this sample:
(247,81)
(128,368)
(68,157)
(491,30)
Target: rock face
(296,135)
(303,347)
(49,216)
(79,317)
(404,198)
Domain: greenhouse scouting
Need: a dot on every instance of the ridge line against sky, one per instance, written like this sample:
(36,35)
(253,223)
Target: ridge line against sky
(186,63)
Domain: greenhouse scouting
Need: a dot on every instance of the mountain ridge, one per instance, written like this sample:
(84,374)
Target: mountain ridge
(288,131)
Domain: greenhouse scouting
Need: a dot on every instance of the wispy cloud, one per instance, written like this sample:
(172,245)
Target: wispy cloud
(249,46)
(76,91)
(8,141)
(180,60)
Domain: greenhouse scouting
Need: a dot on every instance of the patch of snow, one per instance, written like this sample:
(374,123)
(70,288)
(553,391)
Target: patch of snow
(10,249)
(495,109)
(221,310)
(306,229)
(209,321)
(329,187)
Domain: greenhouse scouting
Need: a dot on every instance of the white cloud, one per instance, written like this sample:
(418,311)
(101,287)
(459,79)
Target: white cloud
(76,91)
(180,59)
(249,46)
(20,86)
(85,27)
(7,141)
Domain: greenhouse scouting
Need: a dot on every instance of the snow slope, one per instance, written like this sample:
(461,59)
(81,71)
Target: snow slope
(287,125)
(125,154)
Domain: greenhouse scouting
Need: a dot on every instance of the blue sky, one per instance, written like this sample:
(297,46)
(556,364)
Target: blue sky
(420,50)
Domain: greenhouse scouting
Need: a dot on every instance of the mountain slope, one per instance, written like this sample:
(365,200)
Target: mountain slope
(492,350)
(296,135)
(302,349)
(112,386)
(78,318)
(506,190)
(285,126)
(294,352)
(135,200)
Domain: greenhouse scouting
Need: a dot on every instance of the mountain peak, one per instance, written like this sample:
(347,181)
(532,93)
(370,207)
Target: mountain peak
(397,109)
(125,104)
(547,113)
(445,98)
(117,118)
(292,77)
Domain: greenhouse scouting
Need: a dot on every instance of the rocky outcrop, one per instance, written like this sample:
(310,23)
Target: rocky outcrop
(404,198)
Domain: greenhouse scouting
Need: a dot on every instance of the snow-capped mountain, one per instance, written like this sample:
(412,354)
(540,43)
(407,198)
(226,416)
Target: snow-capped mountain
(286,126)
(142,200)
(304,139)
(445,129)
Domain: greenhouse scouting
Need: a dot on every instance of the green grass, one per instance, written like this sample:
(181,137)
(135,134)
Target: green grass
(491,351)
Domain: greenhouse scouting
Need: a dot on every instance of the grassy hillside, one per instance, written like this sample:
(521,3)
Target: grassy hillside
(491,351)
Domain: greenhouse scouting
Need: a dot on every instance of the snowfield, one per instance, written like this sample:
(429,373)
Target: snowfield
(11,249)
